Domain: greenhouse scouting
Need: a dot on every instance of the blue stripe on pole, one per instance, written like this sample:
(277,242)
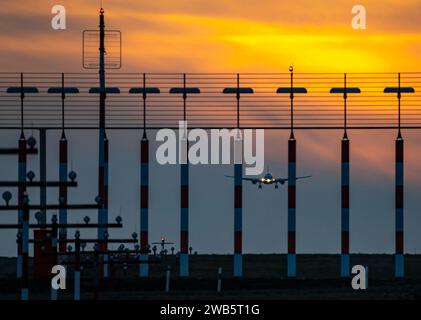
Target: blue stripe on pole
(399,266)
(292,265)
(238,265)
(19,266)
(184,264)
(144,174)
(238,223)
(63,171)
(184,220)
(101,147)
(144,219)
(144,267)
(291,219)
(292,173)
(25,237)
(184,171)
(399,220)
(345,261)
(345,174)
(345,219)
(399,173)
(106,174)
(238,174)
(25,294)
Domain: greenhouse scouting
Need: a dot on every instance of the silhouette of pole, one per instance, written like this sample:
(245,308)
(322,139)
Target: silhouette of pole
(184,180)
(103,147)
(54,234)
(345,259)
(238,182)
(21,193)
(399,214)
(238,193)
(25,249)
(345,174)
(144,191)
(22,161)
(63,158)
(399,184)
(22,167)
(291,260)
(144,180)
(292,174)
(76,293)
(184,194)
(399,188)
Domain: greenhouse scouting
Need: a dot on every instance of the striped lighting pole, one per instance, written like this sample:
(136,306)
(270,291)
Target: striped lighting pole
(238,181)
(22,161)
(345,258)
(144,180)
(399,184)
(184,180)
(292,177)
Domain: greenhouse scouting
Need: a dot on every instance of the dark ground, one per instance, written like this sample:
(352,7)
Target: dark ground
(264,278)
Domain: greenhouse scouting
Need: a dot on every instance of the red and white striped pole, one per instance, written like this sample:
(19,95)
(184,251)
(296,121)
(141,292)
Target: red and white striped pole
(238,192)
(54,235)
(399,187)
(144,204)
(399,184)
(21,195)
(291,259)
(25,249)
(144,181)
(103,148)
(184,191)
(399,216)
(184,179)
(238,204)
(22,160)
(76,294)
(345,259)
(63,158)
(292,174)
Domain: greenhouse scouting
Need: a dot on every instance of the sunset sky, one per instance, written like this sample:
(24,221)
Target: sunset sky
(219,35)
(238,36)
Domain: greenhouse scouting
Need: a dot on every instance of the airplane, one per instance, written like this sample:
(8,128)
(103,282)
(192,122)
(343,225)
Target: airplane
(268,179)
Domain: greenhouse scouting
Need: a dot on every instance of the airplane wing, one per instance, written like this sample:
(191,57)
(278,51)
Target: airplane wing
(246,179)
(283,180)
(302,177)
